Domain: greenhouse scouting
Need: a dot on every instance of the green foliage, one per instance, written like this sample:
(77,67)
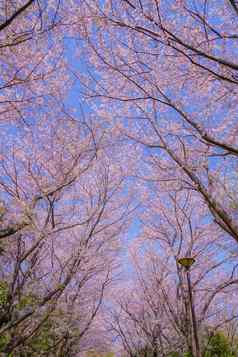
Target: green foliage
(27,300)
(219,346)
(4,339)
(44,340)
(216,346)
(93,353)
(3,293)
(109,354)
(38,345)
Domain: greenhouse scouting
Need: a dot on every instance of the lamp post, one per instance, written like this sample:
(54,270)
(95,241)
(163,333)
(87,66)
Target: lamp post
(186,263)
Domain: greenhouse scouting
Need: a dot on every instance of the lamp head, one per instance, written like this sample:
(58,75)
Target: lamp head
(186,262)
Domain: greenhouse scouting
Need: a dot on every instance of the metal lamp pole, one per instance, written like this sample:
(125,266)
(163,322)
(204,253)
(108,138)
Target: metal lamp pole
(187,262)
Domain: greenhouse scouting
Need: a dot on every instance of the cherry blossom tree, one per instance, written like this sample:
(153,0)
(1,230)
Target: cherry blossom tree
(158,80)
(62,214)
(34,57)
(174,63)
(154,315)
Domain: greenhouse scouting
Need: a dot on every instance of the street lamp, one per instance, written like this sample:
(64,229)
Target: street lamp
(186,263)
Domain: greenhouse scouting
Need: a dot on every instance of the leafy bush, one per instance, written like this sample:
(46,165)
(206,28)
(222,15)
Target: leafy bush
(219,346)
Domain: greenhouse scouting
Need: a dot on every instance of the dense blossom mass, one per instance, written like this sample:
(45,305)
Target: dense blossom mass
(118,157)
